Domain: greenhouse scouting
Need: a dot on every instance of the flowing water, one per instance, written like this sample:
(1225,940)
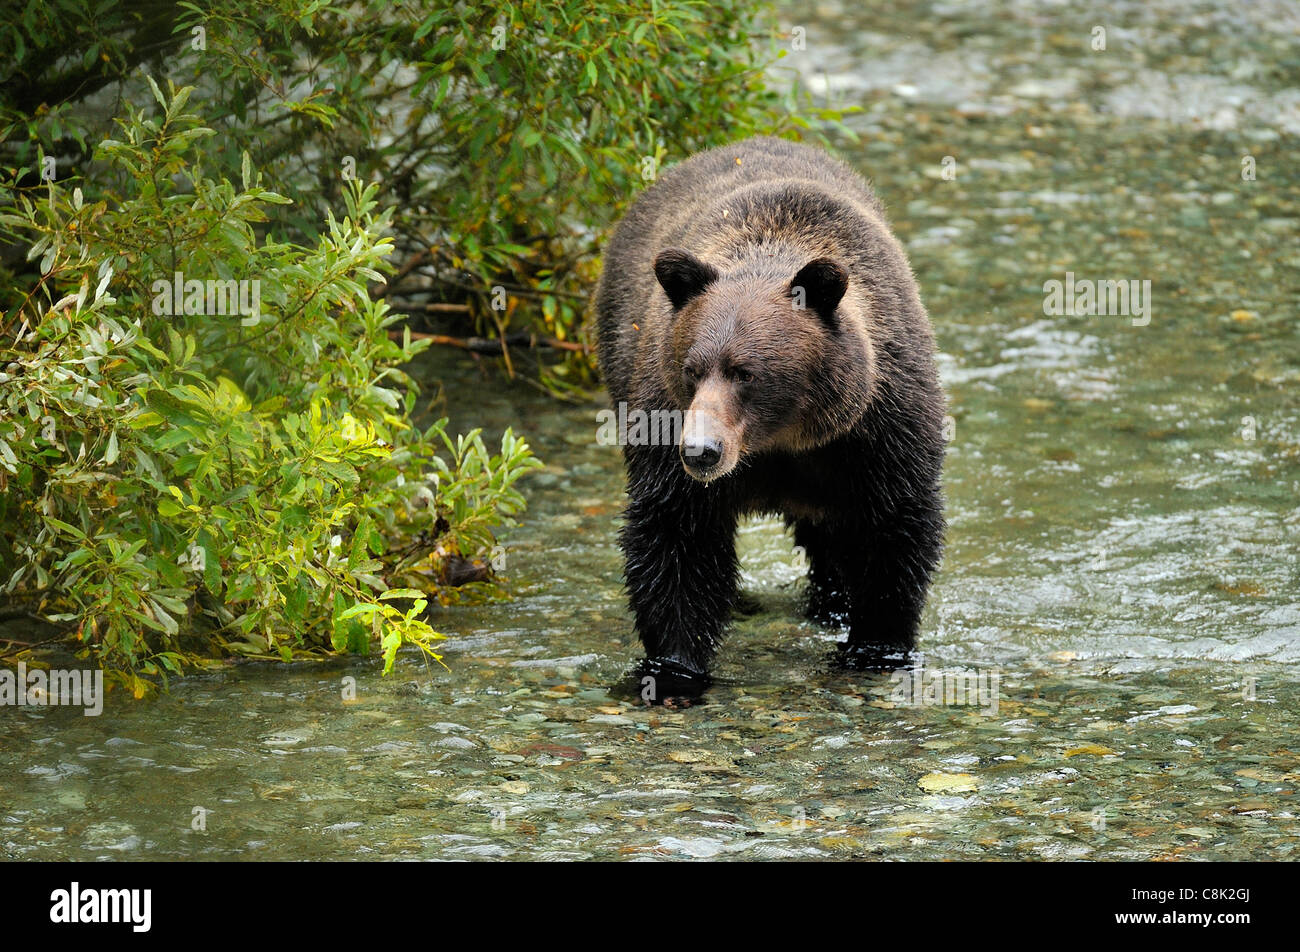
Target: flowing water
(1120,574)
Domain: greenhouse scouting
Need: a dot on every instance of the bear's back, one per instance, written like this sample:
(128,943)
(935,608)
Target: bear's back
(760,159)
(672,208)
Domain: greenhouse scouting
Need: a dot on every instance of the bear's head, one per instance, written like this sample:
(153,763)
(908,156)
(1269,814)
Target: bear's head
(764,358)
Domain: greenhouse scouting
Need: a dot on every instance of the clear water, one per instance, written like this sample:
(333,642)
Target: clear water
(1122,550)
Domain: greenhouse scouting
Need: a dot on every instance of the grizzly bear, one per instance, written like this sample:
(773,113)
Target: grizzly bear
(757,292)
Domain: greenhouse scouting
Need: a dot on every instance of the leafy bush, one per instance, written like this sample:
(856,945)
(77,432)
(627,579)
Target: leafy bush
(506,136)
(179,485)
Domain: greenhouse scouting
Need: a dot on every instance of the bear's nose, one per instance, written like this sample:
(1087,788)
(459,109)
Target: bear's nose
(701,453)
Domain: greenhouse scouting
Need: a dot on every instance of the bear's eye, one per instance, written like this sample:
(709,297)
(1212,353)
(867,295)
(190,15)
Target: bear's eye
(742,375)
(692,373)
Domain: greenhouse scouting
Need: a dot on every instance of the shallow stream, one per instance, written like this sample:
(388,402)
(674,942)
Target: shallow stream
(1122,553)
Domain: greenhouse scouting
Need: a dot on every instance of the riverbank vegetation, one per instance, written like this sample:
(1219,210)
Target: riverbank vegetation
(224,231)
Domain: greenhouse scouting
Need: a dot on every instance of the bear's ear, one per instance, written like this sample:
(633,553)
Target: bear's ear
(820,284)
(682,275)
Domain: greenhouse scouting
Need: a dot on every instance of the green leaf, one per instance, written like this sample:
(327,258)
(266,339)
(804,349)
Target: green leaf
(401,593)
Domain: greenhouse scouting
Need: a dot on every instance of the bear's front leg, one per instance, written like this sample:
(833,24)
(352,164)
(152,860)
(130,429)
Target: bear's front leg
(679,545)
(887,572)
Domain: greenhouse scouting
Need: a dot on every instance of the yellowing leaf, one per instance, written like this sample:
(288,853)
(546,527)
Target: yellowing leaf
(840,842)
(1095,750)
(689,756)
(1259,773)
(948,783)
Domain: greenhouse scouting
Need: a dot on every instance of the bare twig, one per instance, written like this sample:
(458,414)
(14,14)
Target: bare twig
(489,345)
(410,265)
(413,308)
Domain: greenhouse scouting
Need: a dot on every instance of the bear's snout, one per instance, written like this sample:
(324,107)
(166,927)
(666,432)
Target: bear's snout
(709,448)
(701,453)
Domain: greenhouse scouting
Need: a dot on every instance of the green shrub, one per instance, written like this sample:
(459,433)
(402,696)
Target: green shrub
(179,486)
(507,136)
